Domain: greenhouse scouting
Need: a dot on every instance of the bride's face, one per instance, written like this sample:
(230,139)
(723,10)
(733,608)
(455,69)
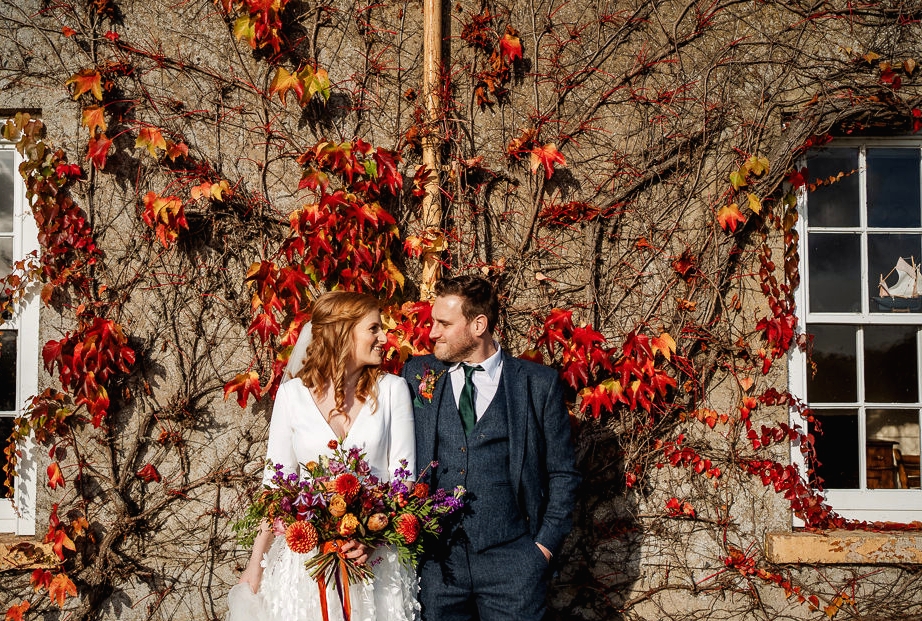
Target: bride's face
(369,339)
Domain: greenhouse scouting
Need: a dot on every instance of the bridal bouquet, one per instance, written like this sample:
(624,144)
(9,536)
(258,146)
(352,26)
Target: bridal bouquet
(336,500)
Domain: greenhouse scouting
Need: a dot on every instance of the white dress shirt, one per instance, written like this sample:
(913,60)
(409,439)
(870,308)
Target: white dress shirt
(485,382)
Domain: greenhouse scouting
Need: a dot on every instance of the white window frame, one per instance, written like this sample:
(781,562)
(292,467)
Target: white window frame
(894,505)
(17,515)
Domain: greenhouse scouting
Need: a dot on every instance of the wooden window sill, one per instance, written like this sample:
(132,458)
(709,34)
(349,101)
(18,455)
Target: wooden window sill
(25,554)
(845,547)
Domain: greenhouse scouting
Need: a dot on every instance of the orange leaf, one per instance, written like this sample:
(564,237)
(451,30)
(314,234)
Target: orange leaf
(664,343)
(79,525)
(151,138)
(61,541)
(730,217)
(510,44)
(61,586)
(97,150)
(94,117)
(55,477)
(546,156)
(284,82)
(176,149)
(15,612)
(86,80)
(67,31)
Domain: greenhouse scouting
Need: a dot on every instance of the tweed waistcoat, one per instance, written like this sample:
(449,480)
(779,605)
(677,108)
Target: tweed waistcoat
(480,463)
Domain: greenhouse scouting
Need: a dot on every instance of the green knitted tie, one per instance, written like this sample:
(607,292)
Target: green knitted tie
(466,401)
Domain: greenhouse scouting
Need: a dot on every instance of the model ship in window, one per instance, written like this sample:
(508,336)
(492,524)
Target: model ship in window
(903,295)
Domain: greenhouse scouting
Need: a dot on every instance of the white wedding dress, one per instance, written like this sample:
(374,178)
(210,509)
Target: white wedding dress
(299,433)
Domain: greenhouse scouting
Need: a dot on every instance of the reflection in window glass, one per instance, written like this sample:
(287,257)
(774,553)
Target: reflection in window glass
(837,448)
(6,256)
(6,428)
(893,187)
(894,258)
(900,428)
(834,204)
(835,273)
(8,370)
(890,364)
(6,190)
(835,363)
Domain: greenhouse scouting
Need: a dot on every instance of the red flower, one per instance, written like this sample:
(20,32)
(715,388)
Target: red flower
(348,485)
(421,490)
(408,527)
(332,444)
(301,537)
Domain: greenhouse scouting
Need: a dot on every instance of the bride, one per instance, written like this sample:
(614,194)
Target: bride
(340,393)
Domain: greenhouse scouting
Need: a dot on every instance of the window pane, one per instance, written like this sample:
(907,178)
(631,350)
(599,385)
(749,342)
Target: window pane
(896,431)
(835,204)
(6,256)
(895,259)
(6,428)
(7,370)
(893,187)
(837,448)
(836,367)
(7,170)
(890,362)
(835,272)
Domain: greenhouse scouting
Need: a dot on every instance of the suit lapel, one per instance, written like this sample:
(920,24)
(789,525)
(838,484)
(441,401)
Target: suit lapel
(515,388)
(430,412)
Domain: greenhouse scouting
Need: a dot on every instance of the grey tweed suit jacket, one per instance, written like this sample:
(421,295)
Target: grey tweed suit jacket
(541,460)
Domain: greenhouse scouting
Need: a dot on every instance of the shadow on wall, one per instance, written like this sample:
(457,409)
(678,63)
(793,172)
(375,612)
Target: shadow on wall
(601,558)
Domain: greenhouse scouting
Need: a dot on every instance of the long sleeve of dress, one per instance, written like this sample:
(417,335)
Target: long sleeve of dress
(402,437)
(280,449)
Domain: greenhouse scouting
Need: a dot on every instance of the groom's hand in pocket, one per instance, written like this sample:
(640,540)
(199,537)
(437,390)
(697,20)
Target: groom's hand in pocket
(355,551)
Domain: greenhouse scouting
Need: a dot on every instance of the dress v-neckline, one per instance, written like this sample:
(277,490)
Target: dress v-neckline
(326,422)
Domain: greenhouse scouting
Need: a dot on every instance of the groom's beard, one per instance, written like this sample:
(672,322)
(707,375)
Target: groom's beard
(457,351)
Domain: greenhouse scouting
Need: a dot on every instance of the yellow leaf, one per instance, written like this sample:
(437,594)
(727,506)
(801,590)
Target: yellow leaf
(151,139)
(870,57)
(664,343)
(757,165)
(245,28)
(738,179)
(909,66)
(754,203)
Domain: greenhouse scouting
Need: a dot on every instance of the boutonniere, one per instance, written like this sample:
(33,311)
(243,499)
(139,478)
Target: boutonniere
(426,388)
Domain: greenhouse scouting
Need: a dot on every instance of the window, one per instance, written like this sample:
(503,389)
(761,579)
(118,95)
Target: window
(19,364)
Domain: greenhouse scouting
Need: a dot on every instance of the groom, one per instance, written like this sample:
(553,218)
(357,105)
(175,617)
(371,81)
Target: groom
(497,426)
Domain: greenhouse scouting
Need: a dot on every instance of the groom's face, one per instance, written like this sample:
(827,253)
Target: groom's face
(453,336)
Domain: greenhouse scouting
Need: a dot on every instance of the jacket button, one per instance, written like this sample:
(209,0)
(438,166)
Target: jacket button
(461,471)
(463,449)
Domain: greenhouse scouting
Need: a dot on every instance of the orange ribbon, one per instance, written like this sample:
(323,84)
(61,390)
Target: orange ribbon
(342,583)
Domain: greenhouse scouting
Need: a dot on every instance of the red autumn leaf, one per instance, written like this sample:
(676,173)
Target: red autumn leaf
(61,586)
(93,117)
(111,36)
(597,399)
(148,473)
(86,80)
(797,178)
(729,217)
(40,579)
(68,171)
(14,613)
(244,384)
(151,139)
(511,45)
(546,156)
(67,31)
(55,477)
(98,149)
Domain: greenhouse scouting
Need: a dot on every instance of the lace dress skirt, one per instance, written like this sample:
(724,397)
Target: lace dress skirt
(288,593)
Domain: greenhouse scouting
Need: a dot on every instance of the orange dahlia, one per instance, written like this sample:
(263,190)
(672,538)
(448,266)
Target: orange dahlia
(408,526)
(301,537)
(421,490)
(348,485)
